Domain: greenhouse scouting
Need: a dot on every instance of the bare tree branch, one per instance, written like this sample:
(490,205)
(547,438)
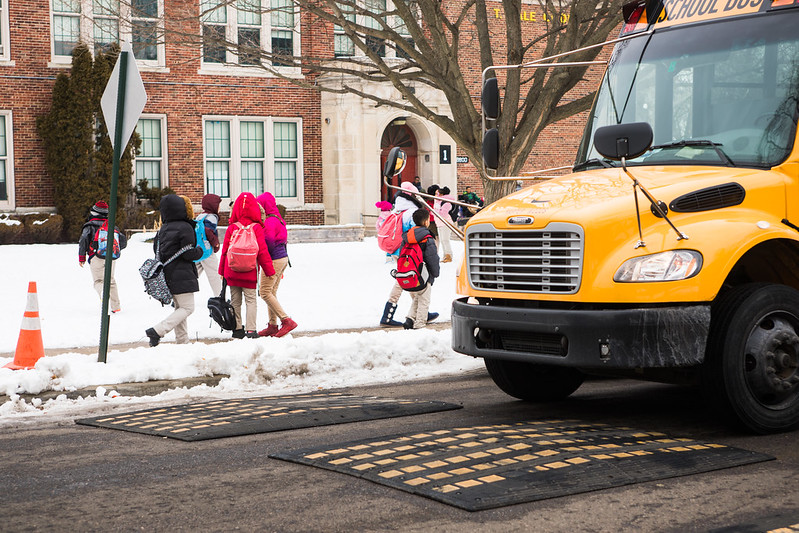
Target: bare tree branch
(414,44)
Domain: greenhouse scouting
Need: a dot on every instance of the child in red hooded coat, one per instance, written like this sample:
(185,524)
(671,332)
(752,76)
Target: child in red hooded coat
(245,212)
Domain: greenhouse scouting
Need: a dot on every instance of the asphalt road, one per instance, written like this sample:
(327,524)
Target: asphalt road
(71,477)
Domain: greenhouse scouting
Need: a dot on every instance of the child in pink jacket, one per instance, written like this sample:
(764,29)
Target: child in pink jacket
(245,212)
(276,237)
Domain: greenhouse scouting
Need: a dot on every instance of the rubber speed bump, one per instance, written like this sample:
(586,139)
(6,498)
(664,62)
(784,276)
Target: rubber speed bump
(484,467)
(246,416)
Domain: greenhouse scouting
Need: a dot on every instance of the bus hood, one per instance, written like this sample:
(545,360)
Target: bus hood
(593,195)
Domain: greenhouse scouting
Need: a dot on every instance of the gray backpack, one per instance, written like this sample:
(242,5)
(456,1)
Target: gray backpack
(152,273)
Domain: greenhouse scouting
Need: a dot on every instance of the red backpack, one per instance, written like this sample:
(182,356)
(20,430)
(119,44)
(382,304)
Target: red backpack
(242,253)
(410,263)
(389,236)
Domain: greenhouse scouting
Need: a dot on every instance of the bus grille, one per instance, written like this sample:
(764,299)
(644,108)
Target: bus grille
(529,342)
(530,261)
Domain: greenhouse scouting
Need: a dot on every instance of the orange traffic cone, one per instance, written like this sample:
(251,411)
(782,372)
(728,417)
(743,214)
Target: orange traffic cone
(29,346)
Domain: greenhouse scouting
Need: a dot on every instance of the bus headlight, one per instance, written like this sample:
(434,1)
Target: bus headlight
(665,266)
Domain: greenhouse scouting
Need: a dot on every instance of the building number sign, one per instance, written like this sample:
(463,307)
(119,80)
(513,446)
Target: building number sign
(445,154)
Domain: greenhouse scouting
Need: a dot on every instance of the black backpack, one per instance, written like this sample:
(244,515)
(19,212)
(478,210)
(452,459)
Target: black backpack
(221,310)
(454,211)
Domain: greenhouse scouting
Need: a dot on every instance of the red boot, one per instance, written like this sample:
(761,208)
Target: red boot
(287,325)
(269,331)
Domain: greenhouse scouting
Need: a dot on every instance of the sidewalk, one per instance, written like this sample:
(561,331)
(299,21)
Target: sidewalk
(151,388)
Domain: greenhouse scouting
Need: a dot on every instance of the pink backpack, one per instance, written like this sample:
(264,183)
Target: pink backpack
(242,254)
(389,237)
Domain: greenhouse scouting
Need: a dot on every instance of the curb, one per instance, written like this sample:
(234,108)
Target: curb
(140,388)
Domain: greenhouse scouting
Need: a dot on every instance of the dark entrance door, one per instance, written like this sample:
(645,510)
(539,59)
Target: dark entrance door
(402,136)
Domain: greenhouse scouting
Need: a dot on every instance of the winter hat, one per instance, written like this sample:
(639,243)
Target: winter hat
(100,209)
(408,186)
(210,203)
(384,206)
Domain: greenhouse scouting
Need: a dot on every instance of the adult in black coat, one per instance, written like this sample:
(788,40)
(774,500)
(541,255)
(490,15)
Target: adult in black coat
(177,231)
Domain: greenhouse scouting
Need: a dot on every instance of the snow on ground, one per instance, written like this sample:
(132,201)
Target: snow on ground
(330,286)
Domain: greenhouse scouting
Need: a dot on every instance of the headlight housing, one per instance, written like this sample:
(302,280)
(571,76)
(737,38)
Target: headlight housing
(673,265)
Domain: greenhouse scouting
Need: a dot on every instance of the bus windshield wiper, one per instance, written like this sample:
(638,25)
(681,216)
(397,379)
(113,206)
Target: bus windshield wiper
(589,162)
(700,142)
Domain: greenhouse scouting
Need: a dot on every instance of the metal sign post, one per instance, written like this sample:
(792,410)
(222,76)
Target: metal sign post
(121,121)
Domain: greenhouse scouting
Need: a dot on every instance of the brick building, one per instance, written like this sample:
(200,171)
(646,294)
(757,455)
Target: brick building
(210,126)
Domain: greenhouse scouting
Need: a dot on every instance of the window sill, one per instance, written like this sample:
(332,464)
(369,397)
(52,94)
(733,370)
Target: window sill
(7,63)
(246,72)
(142,68)
(154,68)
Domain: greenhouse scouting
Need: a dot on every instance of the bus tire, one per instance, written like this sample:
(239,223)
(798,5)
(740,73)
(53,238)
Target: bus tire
(531,382)
(751,368)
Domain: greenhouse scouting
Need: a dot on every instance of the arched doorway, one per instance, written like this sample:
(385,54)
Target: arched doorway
(397,135)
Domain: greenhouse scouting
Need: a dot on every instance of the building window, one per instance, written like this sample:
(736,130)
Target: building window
(214,17)
(285,159)
(106,24)
(373,15)
(343,45)
(100,23)
(282,32)
(252,157)
(145,17)
(253,154)
(66,26)
(377,8)
(5,52)
(6,164)
(151,162)
(238,32)
(217,157)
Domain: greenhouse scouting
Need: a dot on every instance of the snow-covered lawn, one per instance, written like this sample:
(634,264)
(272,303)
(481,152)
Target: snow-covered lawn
(330,286)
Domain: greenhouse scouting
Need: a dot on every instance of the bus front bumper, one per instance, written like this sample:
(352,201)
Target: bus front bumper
(646,337)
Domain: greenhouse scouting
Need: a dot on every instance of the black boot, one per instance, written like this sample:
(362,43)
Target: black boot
(388,317)
(408,324)
(431,316)
(153,336)
(238,333)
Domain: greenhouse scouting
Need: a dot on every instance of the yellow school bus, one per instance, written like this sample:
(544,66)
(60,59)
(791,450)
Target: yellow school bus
(671,251)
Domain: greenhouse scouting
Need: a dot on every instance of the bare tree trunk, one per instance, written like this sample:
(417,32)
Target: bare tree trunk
(494,190)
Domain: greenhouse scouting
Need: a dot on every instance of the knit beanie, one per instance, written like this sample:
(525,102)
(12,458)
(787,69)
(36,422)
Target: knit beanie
(408,186)
(100,209)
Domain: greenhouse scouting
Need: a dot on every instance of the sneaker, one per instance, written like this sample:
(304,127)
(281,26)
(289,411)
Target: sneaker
(238,333)
(287,325)
(251,334)
(269,331)
(431,316)
(155,338)
(116,310)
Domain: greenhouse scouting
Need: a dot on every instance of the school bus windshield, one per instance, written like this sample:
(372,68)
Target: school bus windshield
(723,93)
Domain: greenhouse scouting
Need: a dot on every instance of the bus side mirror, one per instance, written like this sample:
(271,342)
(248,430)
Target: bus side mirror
(491,149)
(395,162)
(490,99)
(626,141)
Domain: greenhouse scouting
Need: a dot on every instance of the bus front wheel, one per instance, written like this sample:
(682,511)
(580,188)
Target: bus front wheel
(751,366)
